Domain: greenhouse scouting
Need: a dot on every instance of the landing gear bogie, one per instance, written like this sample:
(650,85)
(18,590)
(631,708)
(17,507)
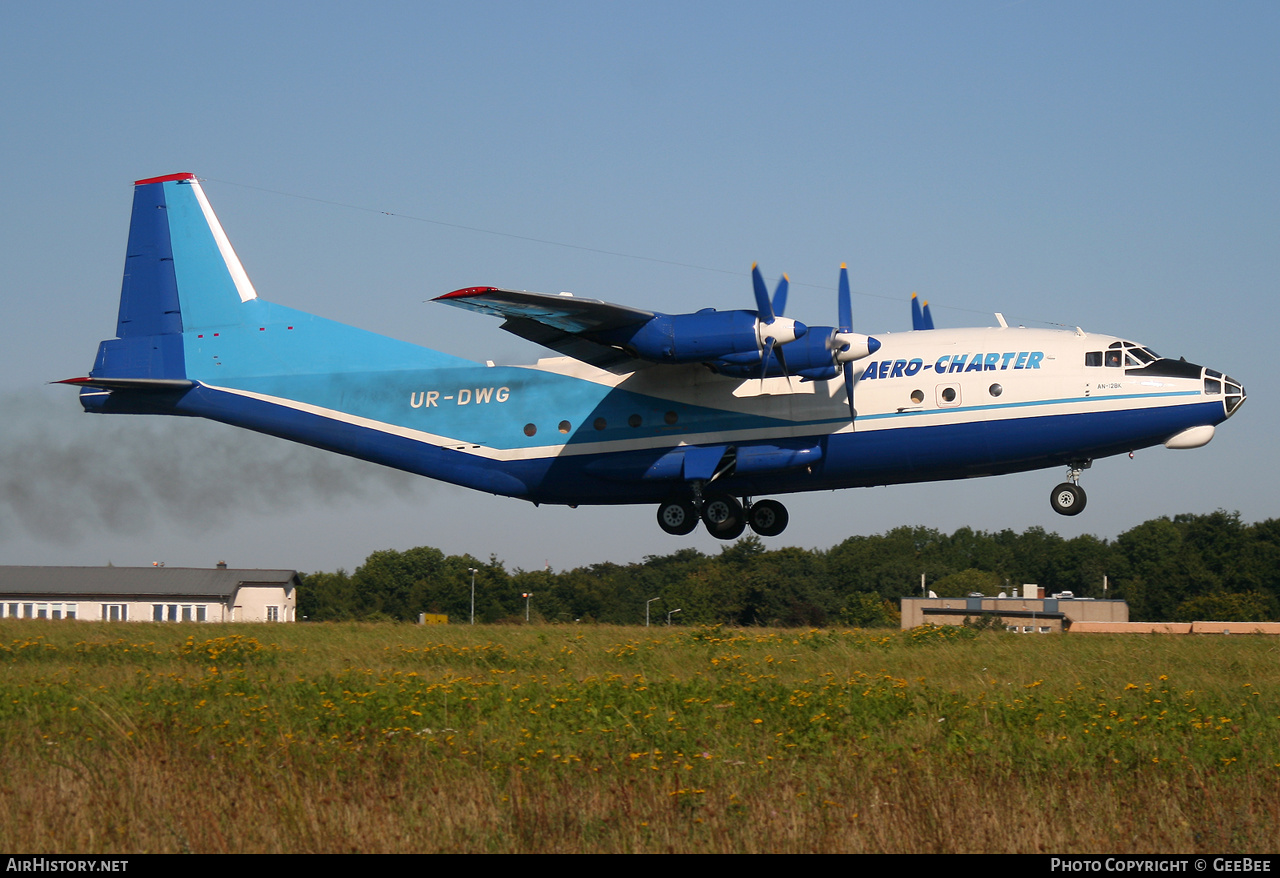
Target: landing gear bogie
(724,517)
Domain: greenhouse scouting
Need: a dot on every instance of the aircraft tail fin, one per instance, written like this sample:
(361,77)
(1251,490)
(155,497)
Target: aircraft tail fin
(180,274)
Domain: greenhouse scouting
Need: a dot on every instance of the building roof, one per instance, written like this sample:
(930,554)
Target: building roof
(219,582)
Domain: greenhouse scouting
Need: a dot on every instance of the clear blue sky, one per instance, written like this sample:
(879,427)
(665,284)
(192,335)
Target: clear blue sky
(1108,165)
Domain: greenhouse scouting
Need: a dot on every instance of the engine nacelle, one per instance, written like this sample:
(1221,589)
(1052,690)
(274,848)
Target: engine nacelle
(705,336)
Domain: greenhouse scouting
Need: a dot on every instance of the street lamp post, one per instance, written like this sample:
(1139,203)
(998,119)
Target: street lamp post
(526,595)
(669,615)
(646,610)
(473,593)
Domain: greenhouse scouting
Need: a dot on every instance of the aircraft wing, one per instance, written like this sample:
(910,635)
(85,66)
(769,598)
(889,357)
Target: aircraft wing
(565,324)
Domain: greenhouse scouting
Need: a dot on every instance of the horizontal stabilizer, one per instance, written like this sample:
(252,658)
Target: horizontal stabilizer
(153,385)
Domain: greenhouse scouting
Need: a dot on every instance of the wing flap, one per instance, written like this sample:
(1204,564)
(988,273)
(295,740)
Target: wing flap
(561,323)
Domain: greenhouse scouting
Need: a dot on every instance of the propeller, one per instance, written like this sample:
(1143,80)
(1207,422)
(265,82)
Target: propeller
(845,344)
(772,329)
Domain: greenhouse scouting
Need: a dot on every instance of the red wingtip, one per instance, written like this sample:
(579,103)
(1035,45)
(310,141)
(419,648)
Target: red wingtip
(72,381)
(164,179)
(465,293)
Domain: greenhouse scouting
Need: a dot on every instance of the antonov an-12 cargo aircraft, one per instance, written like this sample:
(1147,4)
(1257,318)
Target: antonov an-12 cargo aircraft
(705,415)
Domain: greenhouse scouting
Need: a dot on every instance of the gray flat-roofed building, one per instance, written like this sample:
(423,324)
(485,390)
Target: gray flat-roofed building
(1023,614)
(149,594)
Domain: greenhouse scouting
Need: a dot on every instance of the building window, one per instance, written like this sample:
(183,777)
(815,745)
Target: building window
(174,612)
(115,612)
(273,614)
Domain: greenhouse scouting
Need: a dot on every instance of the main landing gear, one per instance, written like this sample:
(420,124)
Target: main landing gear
(724,517)
(1069,498)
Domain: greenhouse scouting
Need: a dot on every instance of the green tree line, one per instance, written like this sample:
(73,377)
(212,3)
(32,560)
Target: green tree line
(1187,568)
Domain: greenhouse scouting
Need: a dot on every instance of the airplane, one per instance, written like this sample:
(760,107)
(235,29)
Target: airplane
(704,414)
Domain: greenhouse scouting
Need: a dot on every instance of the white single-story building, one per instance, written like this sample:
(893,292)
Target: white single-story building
(149,594)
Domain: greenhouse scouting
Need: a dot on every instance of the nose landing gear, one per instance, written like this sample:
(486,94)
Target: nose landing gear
(1069,498)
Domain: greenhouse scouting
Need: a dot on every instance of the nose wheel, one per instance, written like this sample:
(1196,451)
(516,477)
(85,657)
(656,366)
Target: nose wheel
(1069,498)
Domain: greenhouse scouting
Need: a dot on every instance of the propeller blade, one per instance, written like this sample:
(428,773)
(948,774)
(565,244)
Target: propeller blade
(848,390)
(766,353)
(782,361)
(928,318)
(764,310)
(844,301)
(917,317)
(780,296)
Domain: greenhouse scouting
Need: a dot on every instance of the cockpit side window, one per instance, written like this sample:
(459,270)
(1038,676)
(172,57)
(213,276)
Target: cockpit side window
(1093,358)
(1113,358)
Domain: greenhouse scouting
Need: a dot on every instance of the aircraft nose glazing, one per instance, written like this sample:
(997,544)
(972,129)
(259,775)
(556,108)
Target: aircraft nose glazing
(1232,391)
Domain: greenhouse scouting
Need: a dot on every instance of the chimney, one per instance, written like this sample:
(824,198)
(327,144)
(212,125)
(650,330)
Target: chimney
(222,565)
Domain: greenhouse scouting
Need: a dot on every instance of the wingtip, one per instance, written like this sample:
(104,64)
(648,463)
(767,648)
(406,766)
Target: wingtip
(465,293)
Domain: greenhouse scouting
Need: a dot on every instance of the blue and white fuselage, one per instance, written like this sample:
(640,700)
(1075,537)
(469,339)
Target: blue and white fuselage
(194,339)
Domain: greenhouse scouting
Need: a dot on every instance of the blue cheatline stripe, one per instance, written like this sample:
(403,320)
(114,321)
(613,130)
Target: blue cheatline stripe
(940,451)
(1013,405)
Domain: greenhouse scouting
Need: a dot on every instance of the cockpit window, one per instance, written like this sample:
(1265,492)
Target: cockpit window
(1093,358)
(1128,354)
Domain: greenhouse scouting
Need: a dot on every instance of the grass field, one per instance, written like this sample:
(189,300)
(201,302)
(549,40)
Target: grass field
(361,737)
